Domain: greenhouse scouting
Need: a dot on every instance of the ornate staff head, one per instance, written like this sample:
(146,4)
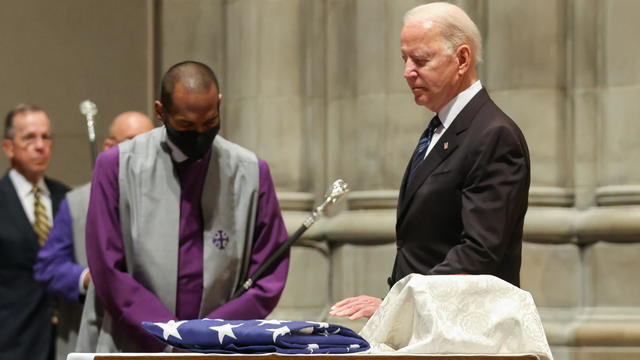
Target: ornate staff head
(89,109)
(335,192)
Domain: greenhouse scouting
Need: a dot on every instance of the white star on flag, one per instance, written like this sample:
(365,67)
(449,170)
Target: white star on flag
(320,324)
(279,331)
(225,330)
(271,322)
(170,329)
(312,347)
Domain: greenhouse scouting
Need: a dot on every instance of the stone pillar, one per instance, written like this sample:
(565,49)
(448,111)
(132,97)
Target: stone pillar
(619,77)
(191,30)
(275,106)
(373,122)
(610,232)
(526,76)
(584,105)
(266,79)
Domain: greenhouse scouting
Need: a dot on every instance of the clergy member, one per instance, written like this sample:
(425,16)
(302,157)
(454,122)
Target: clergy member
(178,217)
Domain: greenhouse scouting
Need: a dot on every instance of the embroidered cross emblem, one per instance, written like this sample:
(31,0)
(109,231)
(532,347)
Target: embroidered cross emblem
(221,239)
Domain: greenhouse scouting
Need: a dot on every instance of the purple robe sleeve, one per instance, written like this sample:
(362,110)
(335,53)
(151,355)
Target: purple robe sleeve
(128,302)
(269,234)
(56,266)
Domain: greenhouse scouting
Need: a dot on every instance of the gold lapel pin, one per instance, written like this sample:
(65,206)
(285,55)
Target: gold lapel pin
(446,145)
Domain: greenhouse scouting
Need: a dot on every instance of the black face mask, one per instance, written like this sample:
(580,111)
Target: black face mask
(192,143)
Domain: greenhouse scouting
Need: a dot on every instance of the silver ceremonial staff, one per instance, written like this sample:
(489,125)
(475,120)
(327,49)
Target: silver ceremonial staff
(89,110)
(335,192)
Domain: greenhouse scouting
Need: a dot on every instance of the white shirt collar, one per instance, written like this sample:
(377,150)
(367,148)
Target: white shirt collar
(449,112)
(176,154)
(23,186)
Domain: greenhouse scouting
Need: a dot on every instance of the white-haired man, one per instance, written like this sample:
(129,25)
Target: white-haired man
(464,194)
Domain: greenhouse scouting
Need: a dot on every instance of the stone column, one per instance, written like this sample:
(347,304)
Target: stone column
(266,82)
(373,121)
(275,106)
(191,30)
(610,232)
(619,77)
(584,104)
(525,73)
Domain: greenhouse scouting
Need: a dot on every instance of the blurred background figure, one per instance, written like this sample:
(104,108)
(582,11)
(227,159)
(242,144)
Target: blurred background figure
(28,203)
(62,262)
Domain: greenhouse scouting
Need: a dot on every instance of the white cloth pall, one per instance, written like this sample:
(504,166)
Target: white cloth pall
(457,314)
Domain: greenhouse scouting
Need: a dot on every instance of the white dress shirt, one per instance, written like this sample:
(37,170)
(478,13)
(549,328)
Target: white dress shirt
(24,189)
(451,110)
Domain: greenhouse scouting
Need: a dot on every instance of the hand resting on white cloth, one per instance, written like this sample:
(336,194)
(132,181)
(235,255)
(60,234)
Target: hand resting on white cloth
(451,314)
(356,307)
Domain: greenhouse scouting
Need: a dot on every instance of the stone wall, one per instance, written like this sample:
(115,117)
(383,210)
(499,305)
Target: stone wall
(316,89)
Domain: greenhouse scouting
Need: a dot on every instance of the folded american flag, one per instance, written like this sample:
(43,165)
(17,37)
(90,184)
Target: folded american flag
(257,336)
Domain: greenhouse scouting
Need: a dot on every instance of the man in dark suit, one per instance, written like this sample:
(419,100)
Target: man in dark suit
(28,202)
(464,194)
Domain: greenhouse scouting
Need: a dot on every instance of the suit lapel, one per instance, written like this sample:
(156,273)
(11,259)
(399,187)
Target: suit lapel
(56,196)
(435,157)
(13,202)
(403,187)
(452,137)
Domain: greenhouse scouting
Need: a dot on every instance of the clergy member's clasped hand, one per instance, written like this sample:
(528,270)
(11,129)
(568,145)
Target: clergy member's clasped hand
(356,307)
(86,279)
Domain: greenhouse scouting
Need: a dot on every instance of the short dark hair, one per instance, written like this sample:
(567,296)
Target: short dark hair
(196,76)
(9,128)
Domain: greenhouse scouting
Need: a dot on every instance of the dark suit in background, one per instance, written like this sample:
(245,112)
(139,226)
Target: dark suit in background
(463,209)
(25,308)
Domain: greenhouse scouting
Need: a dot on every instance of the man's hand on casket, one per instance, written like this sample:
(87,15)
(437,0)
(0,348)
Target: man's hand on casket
(356,307)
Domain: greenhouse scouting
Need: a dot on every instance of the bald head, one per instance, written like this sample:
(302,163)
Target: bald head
(456,27)
(194,76)
(125,126)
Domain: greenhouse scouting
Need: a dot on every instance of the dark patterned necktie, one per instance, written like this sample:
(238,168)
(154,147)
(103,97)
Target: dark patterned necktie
(41,224)
(423,144)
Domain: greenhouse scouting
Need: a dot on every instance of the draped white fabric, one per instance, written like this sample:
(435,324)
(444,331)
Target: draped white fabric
(457,314)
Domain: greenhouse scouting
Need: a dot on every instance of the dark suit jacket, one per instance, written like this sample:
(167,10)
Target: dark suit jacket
(25,308)
(463,210)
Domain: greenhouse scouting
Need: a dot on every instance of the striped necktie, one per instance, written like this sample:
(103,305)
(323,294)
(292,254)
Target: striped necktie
(41,224)
(423,144)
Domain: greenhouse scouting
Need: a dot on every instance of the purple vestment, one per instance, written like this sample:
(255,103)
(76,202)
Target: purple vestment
(56,265)
(128,302)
